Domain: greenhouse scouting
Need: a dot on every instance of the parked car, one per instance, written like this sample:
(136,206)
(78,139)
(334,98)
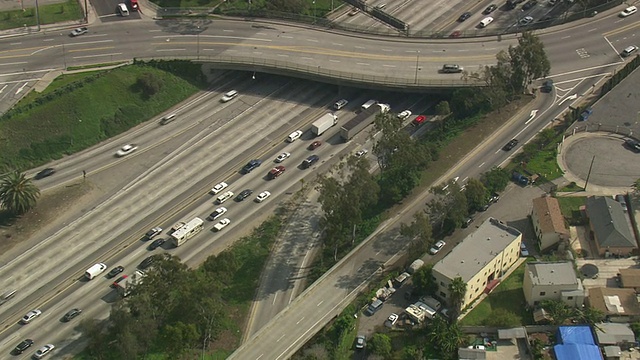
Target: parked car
(510,145)
(126,150)
(219,187)
(361,342)
(361,153)
(391,320)
(44,173)
(523,250)
(467,222)
(115,271)
(72,314)
(584,116)
(30,316)
(437,247)
(525,21)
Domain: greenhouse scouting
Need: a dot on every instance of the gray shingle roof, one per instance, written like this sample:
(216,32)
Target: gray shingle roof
(609,222)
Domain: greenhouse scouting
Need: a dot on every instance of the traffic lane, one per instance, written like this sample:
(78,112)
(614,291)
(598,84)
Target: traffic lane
(132,203)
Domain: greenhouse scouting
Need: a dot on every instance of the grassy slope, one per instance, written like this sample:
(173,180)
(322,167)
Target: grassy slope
(49,14)
(72,121)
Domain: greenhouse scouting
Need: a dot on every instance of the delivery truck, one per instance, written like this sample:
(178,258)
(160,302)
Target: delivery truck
(323,124)
(95,270)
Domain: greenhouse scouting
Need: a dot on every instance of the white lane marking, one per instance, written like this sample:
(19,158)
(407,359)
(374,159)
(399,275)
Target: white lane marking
(275,296)
(463,50)
(365,64)
(48,39)
(15,63)
(4,87)
(312,40)
(43,49)
(586,69)
(283,55)
(286,36)
(211,36)
(155,30)
(27,72)
(227,30)
(299,321)
(392,66)
(18,43)
(360,47)
(280,338)
(411,51)
(481,165)
(565,37)
(320,303)
(160,50)
(87,42)
(21,88)
(257,52)
(18,81)
(306,58)
(261,34)
(336,44)
(334,61)
(91,56)
(387,50)
(258,358)
(592,30)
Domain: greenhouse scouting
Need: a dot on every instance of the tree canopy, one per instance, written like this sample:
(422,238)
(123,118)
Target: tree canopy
(17,193)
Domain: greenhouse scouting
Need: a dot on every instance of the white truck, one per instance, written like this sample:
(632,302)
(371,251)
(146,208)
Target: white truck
(324,123)
(95,270)
(125,286)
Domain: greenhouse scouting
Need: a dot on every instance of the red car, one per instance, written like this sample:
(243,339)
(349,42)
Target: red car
(314,145)
(456,34)
(419,120)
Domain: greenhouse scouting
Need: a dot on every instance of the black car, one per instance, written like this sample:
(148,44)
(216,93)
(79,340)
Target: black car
(147,262)
(491,8)
(24,345)
(529,4)
(547,86)
(251,165)
(44,173)
(73,313)
(467,222)
(115,271)
(306,163)
(156,243)
(244,194)
(633,145)
(464,16)
(510,145)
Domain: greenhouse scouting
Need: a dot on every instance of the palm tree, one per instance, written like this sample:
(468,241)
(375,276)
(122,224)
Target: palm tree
(17,193)
(457,291)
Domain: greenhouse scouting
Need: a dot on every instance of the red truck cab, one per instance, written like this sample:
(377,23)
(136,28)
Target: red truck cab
(134,5)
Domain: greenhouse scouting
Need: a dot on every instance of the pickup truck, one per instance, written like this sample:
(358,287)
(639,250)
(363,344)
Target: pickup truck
(79,31)
(222,224)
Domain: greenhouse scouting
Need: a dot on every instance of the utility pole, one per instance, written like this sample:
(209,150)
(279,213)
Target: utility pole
(415,80)
(37,16)
(86,11)
(589,174)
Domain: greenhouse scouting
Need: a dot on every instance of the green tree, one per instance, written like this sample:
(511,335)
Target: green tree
(636,186)
(380,344)
(635,327)
(495,180)
(528,61)
(442,108)
(419,231)
(457,292)
(559,311)
(447,337)
(476,194)
(17,193)
(178,338)
(423,280)
(545,137)
(502,318)
(149,83)
(590,315)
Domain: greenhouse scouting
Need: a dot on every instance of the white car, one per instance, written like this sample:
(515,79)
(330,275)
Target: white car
(342,102)
(229,96)
(437,247)
(282,157)
(393,318)
(43,351)
(79,31)
(126,150)
(222,224)
(361,153)
(219,187)
(629,11)
(263,196)
(405,114)
(30,316)
(526,20)
(217,213)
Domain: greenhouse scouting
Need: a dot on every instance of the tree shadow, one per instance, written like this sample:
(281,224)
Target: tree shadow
(7,218)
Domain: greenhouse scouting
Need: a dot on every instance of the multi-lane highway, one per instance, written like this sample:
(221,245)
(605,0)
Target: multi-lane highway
(212,141)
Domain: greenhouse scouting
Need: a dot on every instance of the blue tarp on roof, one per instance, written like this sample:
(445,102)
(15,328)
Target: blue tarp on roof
(577,352)
(575,335)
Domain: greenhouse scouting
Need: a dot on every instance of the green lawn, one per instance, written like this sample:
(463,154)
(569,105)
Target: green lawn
(49,14)
(80,110)
(508,296)
(545,164)
(570,207)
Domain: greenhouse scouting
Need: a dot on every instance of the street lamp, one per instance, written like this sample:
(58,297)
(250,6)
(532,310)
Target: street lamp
(198,43)
(415,80)
(314,11)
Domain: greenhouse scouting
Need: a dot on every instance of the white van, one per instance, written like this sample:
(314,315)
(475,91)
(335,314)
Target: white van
(95,270)
(486,21)
(224,197)
(369,104)
(167,119)
(122,9)
(294,136)
(229,96)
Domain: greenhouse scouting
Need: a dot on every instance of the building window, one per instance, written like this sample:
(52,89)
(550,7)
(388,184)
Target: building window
(569,297)
(484,283)
(443,295)
(542,293)
(442,283)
